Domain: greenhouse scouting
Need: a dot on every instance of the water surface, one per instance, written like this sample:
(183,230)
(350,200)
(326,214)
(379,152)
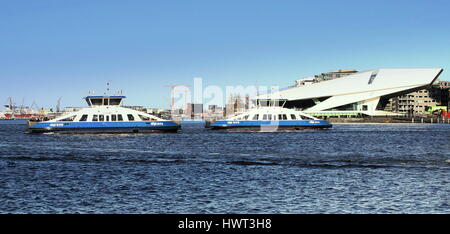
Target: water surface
(359,168)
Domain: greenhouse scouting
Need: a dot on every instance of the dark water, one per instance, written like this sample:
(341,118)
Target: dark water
(371,168)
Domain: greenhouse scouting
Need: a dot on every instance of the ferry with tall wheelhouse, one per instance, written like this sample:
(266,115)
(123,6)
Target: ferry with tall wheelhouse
(105,114)
(270,116)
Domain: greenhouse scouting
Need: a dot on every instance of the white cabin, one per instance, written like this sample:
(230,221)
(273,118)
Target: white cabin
(270,110)
(106,109)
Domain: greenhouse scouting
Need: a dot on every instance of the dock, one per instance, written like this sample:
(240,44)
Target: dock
(422,120)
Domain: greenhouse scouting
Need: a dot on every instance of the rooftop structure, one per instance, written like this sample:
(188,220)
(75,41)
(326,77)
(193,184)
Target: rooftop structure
(324,77)
(104,100)
(418,102)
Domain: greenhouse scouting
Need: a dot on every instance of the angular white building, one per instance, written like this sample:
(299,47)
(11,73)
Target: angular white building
(361,93)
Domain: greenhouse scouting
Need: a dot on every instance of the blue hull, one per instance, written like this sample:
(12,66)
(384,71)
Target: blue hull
(258,124)
(105,127)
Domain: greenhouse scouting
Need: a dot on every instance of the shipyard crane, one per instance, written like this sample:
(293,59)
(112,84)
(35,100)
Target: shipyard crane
(34,105)
(11,105)
(21,111)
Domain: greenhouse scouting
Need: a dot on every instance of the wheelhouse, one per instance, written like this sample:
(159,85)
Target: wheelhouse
(270,102)
(104,100)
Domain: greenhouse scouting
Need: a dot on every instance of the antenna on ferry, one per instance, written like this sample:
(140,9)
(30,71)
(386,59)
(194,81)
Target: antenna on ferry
(107,88)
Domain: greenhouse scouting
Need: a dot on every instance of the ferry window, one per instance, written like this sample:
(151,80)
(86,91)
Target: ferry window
(274,117)
(270,117)
(95,118)
(96,101)
(144,118)
(246,117)
(114,101)
(107,118)
(101,118)
(68,119)
(113,117)
(130,117)
(83,118)
(105,101)
(119,118)
(256,117)
(264,117)
(306,117)
(284,117)
(293,117)
(280,117)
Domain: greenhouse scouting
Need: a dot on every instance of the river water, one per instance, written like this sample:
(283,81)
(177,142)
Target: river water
(351,168)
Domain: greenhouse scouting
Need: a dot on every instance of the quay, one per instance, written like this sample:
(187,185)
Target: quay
(377,119)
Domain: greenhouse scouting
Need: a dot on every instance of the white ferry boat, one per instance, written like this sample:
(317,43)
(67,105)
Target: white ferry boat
(270,117)
(105,115)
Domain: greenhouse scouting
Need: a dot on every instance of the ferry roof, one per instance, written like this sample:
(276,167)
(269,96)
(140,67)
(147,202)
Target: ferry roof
(105,96)
(104,100)
(271,99)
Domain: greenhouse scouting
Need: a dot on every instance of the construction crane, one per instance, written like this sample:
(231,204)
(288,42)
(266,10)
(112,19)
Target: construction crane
(172,93)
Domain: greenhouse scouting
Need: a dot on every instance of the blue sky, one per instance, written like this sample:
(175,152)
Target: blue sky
(51,49)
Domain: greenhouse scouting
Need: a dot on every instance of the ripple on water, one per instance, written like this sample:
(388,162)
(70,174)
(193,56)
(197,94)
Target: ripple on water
(364,168)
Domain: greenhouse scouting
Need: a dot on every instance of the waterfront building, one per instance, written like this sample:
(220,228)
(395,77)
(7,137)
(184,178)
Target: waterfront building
(236,104)
(418,102)
(214,112)
(71,109)
(352,93)
(212,108)
(334,75)
(194,110)
(136,108)
(324,77)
